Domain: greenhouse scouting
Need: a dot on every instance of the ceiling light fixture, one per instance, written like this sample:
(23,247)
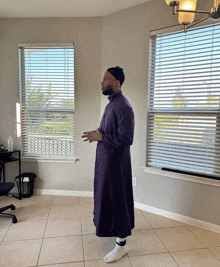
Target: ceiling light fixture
(187,10)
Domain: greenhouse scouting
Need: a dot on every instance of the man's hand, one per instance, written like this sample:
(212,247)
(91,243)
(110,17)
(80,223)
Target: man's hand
(92,136)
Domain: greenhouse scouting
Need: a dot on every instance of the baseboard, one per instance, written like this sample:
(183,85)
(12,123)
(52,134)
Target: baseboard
(178,217)
(168,214)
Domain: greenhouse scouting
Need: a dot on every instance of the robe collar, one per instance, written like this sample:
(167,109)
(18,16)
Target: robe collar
(114,96)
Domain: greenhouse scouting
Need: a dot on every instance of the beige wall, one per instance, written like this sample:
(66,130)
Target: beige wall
(86,35)
(120,39)
(125,42)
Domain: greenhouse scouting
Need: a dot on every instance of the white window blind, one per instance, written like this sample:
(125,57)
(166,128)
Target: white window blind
(184,101)
(47,99)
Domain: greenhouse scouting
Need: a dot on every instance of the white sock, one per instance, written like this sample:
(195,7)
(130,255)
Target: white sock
(117,252)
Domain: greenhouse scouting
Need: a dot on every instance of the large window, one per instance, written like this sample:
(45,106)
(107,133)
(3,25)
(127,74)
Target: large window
(184,101)
(47,99)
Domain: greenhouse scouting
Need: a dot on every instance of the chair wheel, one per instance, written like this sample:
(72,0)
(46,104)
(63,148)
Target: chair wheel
(13,207)
(14,220)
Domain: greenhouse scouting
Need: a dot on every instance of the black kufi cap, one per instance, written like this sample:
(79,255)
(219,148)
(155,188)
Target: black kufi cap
(118,73)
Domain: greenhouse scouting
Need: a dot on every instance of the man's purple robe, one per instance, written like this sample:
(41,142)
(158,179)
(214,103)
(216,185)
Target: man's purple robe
(113,192)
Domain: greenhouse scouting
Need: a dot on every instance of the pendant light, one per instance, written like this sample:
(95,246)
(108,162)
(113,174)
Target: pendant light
(186,18)
(187,10)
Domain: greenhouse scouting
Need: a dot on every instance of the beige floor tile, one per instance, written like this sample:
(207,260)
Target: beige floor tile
(157,221)
(141,222)
(33,213)
(5,224)
(96,248)
(20,253)
(87,209)
(180,238)
(63,227)
(144,242)
(61,250)
(208,238)
(156,260)
(74,264)
(65,200)
(64,211)
(7,200)
(13,212)
(123,262)
(88,226)
(196,258)
(26,230)
(86,200)
(215,251)
(38,200)
(62,220)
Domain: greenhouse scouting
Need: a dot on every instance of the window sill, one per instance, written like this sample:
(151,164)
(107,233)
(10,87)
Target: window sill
(50,159)
(180,176)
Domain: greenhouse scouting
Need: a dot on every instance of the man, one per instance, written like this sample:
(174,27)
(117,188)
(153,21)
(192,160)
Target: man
(113,194)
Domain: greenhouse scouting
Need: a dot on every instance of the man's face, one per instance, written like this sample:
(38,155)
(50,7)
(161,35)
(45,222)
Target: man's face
(107,84)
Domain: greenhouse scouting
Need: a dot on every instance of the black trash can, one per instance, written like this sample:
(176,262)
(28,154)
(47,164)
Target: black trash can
(25,184)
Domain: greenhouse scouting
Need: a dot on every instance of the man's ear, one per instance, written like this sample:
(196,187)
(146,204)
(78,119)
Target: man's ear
(116,83)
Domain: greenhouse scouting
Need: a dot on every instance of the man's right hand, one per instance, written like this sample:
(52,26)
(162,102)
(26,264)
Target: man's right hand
(92,136)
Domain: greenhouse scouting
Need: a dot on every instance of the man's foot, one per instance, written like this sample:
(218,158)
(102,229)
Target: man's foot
(117,253)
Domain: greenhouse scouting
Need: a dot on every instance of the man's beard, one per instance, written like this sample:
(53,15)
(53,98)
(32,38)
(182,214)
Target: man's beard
(108,90)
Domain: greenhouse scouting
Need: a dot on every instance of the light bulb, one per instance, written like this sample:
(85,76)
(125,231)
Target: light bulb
(187,17)
(187,6)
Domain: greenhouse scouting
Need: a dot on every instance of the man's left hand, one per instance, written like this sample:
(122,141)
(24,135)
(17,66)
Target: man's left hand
(92,136)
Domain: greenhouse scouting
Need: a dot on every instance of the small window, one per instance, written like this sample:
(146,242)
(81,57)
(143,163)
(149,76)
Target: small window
(46,73)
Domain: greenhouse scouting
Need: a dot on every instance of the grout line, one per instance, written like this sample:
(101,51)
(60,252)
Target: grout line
(159,253)
(196,236)
(195,249)
(166,248)
(182,250)
(148,254)
(129,257)
(186,225)
(174,259)
(81,232)
(178,217)
(44,231)
(161,240)
(11,222)
(213,254)
(57,264)
(152,228)
(130,260)
(206,247)
(6,233)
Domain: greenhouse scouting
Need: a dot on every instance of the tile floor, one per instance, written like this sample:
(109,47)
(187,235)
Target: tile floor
(58,231)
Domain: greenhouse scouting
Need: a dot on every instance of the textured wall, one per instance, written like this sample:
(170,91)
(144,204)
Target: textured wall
(86,35)
(125,42)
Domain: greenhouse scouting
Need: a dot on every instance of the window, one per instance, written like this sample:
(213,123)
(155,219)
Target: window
(184,101)
(47,99)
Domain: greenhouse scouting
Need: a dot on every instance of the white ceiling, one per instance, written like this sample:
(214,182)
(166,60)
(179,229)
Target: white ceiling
(63,8)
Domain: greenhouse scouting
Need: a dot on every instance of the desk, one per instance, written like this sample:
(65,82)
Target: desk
(10,156)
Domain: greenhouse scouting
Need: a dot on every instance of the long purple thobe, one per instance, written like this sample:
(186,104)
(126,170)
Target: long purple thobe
(113,192)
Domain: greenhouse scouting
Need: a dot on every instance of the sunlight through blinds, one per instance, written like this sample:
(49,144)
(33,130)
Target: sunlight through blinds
(47,99)
(184,101)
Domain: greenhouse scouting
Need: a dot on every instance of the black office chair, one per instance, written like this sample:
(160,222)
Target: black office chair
(4,190)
